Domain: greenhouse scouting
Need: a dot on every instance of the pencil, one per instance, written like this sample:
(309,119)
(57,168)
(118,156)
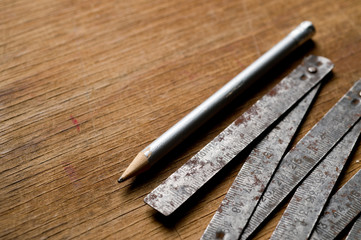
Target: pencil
(182,129)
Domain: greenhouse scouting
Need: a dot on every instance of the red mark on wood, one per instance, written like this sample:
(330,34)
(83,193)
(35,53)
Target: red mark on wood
(70,171)
(75,122)
(240,63)
(189,75)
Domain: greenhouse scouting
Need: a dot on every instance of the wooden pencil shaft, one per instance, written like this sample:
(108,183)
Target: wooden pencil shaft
(227,93)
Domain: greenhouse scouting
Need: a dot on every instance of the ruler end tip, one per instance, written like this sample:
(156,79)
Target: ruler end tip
(149,200)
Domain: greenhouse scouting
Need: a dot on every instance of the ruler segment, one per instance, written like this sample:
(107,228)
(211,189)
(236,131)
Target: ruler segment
(355,232)
(247,188)
(310,198)
(183,183)
(344,206)
(301,159)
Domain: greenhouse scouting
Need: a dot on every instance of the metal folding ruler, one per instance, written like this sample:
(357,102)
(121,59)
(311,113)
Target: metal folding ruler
(307,203)
(343,207)
(272,121)
(355,231)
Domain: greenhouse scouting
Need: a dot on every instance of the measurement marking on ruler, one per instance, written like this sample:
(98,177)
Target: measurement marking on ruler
(309,200)
(343,207)
(247,188)
(355,232)
(182,184)
(306,154)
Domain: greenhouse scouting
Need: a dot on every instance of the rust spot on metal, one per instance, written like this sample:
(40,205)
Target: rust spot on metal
(152,196)
(344,195)
(256,180)
(298,199)
(192,162)
(239,120)
(268,155)
(323,135)
(313,147)
(254,110)
(220,137)
(202,163)
(273,92)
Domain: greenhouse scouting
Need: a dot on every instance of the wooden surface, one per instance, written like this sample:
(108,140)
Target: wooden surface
(85,85)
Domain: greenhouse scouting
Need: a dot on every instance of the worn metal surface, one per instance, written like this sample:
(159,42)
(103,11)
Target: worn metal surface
(310,198)
(228,92)
(247,188)
(182,184)
(343,207)
(355,232)
(311,149)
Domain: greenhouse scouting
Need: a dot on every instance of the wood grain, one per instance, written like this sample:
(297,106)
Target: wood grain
(86,85)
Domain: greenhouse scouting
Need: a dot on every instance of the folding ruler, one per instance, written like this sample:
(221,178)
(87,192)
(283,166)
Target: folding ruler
(285,105)
(308,152)
(168,196)
(306,205)
(301,215)
(254,175)
(343,207)
(355,231)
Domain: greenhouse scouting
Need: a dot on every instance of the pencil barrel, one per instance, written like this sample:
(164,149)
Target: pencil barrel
(187,125)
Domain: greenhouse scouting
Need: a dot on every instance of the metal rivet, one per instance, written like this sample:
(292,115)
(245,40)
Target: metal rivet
(220,235)
(355,101)
(312,69)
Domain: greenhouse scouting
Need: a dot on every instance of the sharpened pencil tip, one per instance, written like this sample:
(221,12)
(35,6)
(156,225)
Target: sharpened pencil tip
(121,180)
